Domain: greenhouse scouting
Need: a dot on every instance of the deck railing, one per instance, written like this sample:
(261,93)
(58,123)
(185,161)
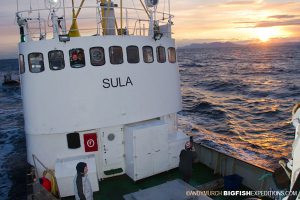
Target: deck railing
(39,22)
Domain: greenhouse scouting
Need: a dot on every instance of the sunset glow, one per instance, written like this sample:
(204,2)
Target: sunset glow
(264,34)
(242,21)
(239,21)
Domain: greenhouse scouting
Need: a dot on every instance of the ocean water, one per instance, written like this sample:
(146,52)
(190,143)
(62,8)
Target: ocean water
(238,100)
(12,137)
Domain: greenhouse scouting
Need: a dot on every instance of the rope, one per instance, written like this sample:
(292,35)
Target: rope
(136,10)
(264,176)
(145,8)
(78,11)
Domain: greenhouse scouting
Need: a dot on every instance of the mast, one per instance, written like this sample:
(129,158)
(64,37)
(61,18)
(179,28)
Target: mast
(108,17)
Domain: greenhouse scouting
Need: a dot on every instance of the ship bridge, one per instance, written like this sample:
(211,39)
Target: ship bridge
(114,60)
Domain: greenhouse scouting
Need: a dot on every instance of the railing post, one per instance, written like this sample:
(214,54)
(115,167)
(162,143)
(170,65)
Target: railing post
(121,16)
(127,20)
(144,31)
(140,27)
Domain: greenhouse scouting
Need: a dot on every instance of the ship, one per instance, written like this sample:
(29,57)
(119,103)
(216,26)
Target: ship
(100,84)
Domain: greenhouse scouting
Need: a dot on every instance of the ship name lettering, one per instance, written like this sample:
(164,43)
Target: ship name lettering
(116,82)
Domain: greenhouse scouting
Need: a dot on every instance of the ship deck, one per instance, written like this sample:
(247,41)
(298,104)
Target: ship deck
(116,187)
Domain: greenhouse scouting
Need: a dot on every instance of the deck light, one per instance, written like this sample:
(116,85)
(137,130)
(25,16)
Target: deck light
(64,38)
(151,3)
(52,4)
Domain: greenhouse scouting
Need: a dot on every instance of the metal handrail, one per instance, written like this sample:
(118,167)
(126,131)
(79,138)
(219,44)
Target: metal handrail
(94,28)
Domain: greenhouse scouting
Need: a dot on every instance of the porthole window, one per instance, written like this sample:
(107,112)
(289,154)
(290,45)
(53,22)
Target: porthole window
(133,54)
(148,54)
(115,55)
(77,59)
(111,137)
(56,60)
(161,54)
(97,56)
(172,55)
(36,62)
(21,64)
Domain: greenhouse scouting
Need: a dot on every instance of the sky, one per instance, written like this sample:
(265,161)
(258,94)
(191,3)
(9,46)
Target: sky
(197,21)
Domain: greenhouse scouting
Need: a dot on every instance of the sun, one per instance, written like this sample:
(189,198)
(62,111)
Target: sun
(265,34)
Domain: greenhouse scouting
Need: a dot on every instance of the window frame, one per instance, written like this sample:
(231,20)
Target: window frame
(158,54)
(110,55)
(151,54)
(63,59)
(170,49)
(138,54)
(21,64)
(91,59)
(30,64)
(77,65)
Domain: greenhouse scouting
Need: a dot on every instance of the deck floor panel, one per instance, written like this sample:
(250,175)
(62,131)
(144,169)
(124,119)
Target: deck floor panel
(171,190)
(116,187)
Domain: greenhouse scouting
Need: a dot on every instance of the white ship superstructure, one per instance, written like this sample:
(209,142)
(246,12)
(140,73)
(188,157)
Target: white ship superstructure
(107,95)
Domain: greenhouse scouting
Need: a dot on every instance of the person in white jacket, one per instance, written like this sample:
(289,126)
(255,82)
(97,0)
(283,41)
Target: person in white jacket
(82,185)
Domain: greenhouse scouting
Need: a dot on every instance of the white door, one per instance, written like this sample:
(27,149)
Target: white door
(142,154)
(112,148)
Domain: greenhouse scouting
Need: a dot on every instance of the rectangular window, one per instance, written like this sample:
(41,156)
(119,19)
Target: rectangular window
(97,56)
(77,59)
(56,60)
(36,62)
(116,55)
(21,64)
(148,54)
(133,54)
(172,55)
(161,54)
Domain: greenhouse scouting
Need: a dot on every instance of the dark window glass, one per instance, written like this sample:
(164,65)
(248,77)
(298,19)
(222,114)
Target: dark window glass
(116,55)
(73,140)
(161,54)
(97,56)
(77,58)
(148,54)
(56,60)
(132,54)
(21,64)
(172,55)
(36,62)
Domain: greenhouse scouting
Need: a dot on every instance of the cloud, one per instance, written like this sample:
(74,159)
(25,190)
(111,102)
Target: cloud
(283,16)
(278,23)
(240,2)
(246,22)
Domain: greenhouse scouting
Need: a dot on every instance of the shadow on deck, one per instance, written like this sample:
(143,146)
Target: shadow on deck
(114,188)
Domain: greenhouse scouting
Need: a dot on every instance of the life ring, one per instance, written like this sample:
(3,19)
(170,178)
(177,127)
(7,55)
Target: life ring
(46,183)
(49,174)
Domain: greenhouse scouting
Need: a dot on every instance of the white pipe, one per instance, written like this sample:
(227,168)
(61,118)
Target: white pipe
(64,31)
(127,21)
(169,8)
